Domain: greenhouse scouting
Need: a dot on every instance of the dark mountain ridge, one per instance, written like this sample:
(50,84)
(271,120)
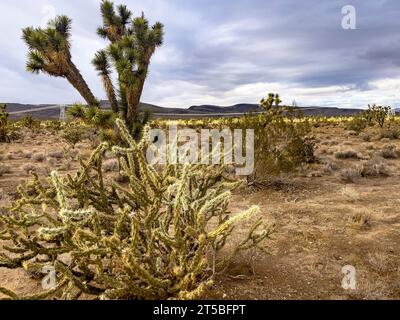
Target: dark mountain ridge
(194,111)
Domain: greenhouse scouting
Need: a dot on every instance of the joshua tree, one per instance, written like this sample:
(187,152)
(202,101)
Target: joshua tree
(133,42)
(268,103)
(49,52)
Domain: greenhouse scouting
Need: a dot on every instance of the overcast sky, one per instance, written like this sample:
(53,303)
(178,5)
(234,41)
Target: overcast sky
(225,51)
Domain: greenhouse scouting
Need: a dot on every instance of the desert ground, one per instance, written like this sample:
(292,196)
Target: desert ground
(328,215)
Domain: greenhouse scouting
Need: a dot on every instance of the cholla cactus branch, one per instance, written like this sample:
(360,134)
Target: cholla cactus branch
(151,238)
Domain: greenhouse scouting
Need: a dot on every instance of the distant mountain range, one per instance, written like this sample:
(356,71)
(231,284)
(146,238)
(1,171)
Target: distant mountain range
(193,111)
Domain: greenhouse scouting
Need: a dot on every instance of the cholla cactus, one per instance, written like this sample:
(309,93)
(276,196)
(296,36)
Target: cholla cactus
(377,113)
(4,136)
(155,238)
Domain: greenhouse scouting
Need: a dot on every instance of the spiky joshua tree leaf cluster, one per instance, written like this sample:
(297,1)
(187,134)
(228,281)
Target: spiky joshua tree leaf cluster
(156,237)
(49,52)
(132,44)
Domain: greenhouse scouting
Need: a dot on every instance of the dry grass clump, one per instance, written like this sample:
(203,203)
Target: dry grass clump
(391,134)
(365,137)
(361,219)
(80,145)
(4,169)
(350,193)
(67,166)
(38,157)
(329,167)
(28,168)
(73,153)
(349,175)
(378,262)
(368,146)
(27,154)
(346,154)
(374,168)
(56,154)
(389,152)
(52,162)
(46,170)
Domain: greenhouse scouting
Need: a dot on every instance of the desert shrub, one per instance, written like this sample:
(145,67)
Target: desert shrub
(72,135)
(4,125)
(368,146)
(381,113)
(368,116)
(389,152)
(329,167)
(54,126)
(52,162)
(38,157)
(4,169)
(349,175)
(29,123)
(67,166)
(27,154)
(73,153)
(374,168)
(376,113)
(157,238)
(301,150)
(365,137)
(391,134)
(28,168)
(346,154)
(281,143)
(56,154)
(357,124)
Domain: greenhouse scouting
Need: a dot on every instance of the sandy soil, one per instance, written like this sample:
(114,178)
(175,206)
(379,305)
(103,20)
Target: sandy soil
(324,222)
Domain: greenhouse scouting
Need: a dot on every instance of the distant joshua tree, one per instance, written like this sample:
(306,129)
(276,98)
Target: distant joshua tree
(132,45)
(272,100)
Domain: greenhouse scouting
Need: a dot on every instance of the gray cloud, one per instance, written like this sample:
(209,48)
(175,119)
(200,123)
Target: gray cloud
(225,51)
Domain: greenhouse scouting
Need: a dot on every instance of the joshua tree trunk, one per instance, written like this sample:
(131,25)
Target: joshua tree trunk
(109,88)
(77,81)
(133,97)
(123,98)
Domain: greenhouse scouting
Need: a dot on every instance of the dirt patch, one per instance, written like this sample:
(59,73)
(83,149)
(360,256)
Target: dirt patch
(322,223)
